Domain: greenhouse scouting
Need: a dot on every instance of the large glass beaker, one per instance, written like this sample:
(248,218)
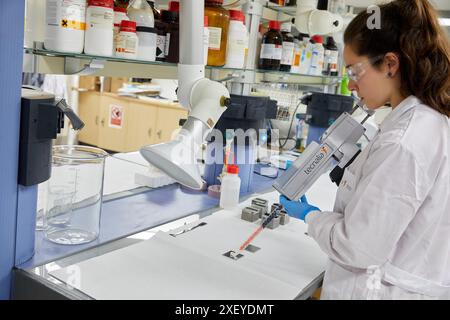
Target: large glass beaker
(74,194)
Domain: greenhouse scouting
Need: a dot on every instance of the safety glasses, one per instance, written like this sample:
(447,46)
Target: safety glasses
(357,70)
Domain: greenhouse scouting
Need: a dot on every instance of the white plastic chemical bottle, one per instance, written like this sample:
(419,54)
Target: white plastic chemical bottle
(298,46)
(127,40)
(237,40)
(305,60)
(119,15)
(65,25)
(229,189)
(317,58)
(141,12)
(99,28)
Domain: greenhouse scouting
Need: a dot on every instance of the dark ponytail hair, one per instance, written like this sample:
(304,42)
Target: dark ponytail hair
(409,28)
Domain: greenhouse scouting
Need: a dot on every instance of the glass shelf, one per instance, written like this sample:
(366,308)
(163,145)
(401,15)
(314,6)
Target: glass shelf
(282,73)
(50,53)
(138,68)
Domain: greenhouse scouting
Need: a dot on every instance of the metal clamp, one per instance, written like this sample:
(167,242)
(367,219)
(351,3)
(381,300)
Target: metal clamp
(72,66)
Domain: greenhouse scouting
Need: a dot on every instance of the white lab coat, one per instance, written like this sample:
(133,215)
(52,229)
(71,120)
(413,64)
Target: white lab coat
(389,234)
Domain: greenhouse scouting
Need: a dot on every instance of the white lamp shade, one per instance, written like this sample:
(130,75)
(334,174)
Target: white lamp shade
(177,159)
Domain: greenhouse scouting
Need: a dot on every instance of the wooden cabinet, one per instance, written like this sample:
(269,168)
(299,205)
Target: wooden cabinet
(143,130)
(168,122)
(122,124)
(89,112)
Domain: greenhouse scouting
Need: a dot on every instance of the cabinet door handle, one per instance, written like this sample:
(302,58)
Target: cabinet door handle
(149,132)
(103,122)
(159,133)
(96,120)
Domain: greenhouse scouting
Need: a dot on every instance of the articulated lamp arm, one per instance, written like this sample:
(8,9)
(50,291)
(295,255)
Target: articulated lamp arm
(206,100)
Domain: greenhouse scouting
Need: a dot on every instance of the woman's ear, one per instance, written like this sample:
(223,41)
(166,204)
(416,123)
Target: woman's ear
(392,64)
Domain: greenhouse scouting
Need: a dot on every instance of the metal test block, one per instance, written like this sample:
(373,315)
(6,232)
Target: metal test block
(233,255)
(251,248)
(284,217)
(276,206)
(261,211)
(275,223)
(261,203)
(250,214)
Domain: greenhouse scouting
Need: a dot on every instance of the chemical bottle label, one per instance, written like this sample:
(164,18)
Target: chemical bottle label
(160,46)
(215,36)
(236,47)
(99,18)
(271,51)
(296,62)
(69,14)
(126,44)
(333,60)
(287,56)
(167,45)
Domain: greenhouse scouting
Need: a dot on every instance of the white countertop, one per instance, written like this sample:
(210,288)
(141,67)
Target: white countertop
(192,265)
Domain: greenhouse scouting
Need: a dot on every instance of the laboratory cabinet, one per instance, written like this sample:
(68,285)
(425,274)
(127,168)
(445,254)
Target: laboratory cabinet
(123,124)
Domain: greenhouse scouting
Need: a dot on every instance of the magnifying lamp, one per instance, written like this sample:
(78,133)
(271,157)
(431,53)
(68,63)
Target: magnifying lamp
(205,99)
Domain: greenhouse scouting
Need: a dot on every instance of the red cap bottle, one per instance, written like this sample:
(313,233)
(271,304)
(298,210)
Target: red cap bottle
(128,26)
(102,3)
(274,25)
(237,15)
(317,39)
(233,169)
(174,6)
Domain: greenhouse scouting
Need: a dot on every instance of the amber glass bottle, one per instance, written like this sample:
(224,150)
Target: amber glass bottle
(218,22)
(271,48)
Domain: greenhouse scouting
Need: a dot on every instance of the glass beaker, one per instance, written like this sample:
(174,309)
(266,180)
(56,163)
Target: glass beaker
(41,206)
(74,194)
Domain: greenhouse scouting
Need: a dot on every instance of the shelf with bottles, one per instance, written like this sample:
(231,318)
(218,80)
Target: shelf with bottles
(270,76)
(54,62)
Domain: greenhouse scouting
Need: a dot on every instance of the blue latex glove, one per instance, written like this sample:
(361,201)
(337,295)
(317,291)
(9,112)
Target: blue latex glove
(298,209)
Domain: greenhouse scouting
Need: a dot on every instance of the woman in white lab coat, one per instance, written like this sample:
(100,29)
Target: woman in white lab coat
(388,236)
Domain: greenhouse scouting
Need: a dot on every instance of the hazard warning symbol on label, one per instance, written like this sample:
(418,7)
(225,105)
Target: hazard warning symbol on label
(115,116)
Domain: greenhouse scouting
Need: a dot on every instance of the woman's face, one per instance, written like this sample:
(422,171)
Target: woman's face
(372,84)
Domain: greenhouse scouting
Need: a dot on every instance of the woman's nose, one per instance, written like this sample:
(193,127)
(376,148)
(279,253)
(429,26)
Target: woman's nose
(352,86)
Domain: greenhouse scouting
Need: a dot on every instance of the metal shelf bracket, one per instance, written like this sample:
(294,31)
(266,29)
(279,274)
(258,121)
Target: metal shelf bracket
(72,66)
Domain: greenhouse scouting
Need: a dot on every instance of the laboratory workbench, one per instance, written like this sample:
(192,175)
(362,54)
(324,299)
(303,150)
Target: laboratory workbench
(132,216)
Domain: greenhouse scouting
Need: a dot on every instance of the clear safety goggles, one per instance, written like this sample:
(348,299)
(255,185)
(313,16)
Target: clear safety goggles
(357,70)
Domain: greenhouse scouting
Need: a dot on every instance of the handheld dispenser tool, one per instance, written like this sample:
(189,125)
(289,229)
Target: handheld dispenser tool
(338,149)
